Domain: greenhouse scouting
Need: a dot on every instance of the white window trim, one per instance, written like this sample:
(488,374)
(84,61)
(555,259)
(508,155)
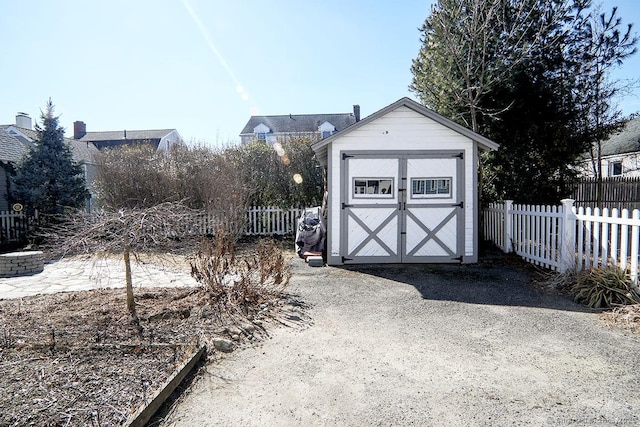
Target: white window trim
(611,166)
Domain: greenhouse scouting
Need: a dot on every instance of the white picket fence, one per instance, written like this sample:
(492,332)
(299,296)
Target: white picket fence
(259,221)
(563,237)
(266,221)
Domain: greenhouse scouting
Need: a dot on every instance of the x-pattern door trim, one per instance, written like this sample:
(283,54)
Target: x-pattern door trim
(431,234)
(372,234)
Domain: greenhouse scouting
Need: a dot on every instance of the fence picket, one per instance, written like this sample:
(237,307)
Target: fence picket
(604,241)
(614,239)
(624,243)
(633,270)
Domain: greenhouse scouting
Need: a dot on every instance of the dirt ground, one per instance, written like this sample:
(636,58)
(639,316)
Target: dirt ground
(425,345)
(78,359)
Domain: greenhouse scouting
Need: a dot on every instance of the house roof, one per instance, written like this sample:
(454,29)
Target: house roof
(13,148)
(294,123)
(320,147)
(627,140)
(126,134)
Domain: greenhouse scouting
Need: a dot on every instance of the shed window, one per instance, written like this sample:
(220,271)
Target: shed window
(615,168)
(430,187)
(373,187)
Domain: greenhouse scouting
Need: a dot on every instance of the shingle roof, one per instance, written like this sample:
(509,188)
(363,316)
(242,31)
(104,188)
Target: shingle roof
(130,134)
(625,141)
(12,149)
(299,122)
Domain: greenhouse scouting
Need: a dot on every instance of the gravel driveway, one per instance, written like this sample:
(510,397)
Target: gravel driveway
(425,345)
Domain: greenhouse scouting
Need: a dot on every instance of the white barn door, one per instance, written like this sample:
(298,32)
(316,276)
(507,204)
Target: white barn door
(402,207)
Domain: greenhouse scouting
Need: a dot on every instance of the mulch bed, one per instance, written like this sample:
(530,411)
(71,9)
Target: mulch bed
(77,359)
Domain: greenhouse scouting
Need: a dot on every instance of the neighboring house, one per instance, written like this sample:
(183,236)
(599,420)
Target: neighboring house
(402,188)
(620,153)
(15,141)
(161,139)
(270,128)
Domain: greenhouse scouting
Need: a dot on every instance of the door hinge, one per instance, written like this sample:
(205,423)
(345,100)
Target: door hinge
(346,259)
(459,155)
(344,205)
(459,205)
(459,258)
(345,156)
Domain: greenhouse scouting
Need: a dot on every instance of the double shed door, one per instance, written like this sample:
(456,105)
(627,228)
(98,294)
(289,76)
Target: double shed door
(402,207)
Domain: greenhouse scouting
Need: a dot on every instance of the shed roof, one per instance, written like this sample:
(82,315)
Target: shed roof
(294,123)
(320,147)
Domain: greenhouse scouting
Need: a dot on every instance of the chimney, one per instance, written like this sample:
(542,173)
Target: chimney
(23,121)
(79,129)
(356,112)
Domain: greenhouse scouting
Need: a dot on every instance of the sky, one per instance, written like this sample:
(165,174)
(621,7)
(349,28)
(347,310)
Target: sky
(204,67)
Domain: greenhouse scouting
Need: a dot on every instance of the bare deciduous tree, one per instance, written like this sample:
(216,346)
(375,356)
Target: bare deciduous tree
(127,231)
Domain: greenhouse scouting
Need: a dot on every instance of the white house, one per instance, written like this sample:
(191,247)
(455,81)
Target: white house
(620,153)
(270,128)
(402,188)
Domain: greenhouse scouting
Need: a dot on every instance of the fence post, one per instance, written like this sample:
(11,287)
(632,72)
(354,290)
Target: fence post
(508,227)
(568,246)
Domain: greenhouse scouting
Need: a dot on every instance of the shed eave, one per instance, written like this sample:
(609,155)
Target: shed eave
(483,143)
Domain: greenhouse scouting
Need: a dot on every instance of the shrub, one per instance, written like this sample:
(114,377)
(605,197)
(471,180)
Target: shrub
(604,288)
(259,276)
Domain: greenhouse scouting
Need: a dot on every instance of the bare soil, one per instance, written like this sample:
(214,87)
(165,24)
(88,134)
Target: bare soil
(77,359)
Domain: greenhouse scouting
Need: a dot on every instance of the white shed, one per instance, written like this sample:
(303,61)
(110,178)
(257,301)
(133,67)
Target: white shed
(402,188)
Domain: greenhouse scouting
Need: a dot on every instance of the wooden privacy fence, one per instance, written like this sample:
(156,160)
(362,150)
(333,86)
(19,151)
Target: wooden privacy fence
(563,237)
(617,192)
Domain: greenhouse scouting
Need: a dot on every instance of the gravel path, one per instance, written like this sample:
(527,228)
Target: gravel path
(425,345)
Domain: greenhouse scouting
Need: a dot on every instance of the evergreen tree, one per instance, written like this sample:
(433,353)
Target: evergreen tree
(525,74)
(48,179)
(600,44)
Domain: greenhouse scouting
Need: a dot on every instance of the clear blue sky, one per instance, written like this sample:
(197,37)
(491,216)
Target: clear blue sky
(203,67)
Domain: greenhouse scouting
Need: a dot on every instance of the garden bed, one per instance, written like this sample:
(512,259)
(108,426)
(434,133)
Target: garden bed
(78,359)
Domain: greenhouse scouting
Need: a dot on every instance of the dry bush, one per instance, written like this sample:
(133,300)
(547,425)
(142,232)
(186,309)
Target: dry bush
(259,276)
(604,288)
(138,177)
(626,317)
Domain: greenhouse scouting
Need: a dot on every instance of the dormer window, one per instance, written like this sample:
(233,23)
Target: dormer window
(326,129)
(261,132)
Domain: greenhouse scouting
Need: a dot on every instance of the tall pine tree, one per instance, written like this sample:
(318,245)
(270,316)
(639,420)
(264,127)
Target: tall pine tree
(48,179)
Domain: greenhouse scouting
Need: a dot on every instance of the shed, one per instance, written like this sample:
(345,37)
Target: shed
(402,188)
